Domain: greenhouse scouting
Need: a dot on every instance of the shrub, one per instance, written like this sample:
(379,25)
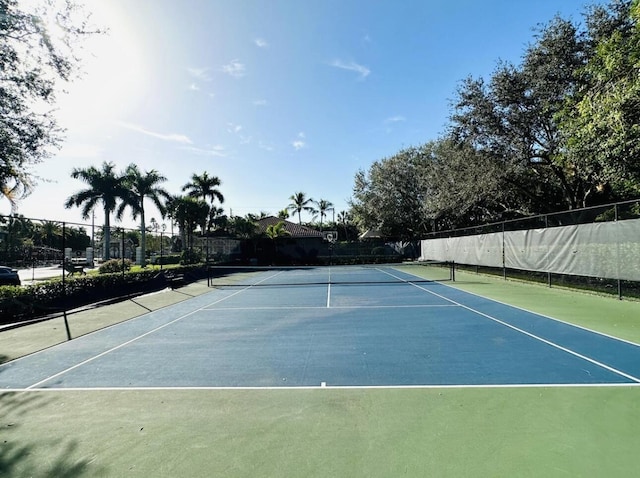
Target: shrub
(114,265)
(51,297)
(168,259)
(191,257)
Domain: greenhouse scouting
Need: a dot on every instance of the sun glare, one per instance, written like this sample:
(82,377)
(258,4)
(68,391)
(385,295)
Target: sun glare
(112,72)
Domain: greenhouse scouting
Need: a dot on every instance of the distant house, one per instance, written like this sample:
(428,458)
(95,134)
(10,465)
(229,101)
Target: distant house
(295,230)
(303,245)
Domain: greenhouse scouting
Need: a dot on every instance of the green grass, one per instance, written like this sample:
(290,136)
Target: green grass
(439,432)
(545,432)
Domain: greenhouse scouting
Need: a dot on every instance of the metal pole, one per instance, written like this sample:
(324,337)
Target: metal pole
(546,226)
(122,251)
(64,259)
(66,324)
(93,237)
(504,265)
(615,208)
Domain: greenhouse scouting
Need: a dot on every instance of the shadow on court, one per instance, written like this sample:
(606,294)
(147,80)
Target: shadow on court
(24,452)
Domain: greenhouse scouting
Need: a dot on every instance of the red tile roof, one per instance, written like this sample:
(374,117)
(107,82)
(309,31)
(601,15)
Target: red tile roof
(296,230)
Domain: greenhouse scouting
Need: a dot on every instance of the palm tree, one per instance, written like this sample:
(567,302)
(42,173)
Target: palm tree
(344,217)
(20,231)
(189,213)
(20,188)
(106,188)
(284,214)
(299,203)
(205,187)
(257,217)
(49,232)
(275,231)
(217,219)
(324,207)
(143,186)
(243,227)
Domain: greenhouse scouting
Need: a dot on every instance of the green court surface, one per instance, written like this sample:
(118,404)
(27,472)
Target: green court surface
(550,432)
(537,431)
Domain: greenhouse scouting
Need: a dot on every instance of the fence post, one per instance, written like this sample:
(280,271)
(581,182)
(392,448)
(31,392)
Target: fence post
(122,250)
(504,263)
(615,208)
(66,324)
(64,246)
(546,226)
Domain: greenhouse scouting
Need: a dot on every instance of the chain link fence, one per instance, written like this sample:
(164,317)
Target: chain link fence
(29,242)
(595,248)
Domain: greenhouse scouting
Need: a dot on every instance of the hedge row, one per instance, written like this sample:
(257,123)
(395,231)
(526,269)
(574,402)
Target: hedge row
(54,296)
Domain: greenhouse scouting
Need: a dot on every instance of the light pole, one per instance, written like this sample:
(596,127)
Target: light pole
(154,226)
(164,226)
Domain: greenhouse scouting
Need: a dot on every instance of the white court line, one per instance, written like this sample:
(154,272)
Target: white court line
(529,334)
(577,326)
(329,290)
(301,307)
(326,387)
(84,362)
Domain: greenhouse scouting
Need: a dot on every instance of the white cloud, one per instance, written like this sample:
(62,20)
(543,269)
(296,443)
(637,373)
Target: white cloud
(81,150)
(261,43)
(234,68)
(299,144)
(173,137)
(237,130)
(218,151)
(234,128)
(395,119)
(201,74)
(260,103)
(266,147)
(194,87)
(362,70)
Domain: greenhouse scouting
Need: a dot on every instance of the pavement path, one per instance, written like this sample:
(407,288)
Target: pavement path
(35,274)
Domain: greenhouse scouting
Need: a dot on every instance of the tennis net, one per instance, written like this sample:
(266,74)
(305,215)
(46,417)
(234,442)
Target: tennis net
(254,276)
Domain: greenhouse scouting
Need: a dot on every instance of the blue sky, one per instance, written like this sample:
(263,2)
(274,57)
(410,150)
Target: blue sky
(273,96)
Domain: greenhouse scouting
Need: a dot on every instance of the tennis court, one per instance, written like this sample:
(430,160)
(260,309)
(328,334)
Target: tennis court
(326,327)
(359,372)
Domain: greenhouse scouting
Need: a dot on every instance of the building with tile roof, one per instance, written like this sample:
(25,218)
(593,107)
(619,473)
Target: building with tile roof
(296,231)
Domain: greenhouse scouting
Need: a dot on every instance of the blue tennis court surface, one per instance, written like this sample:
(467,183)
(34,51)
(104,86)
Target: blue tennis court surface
(292,329)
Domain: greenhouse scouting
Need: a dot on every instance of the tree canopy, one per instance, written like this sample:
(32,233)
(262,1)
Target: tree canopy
(36,53)
(560,130)
(105,188)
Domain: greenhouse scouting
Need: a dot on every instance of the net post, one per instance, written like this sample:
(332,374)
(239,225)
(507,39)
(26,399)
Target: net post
(619,289)
(66,324)
(453,271)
